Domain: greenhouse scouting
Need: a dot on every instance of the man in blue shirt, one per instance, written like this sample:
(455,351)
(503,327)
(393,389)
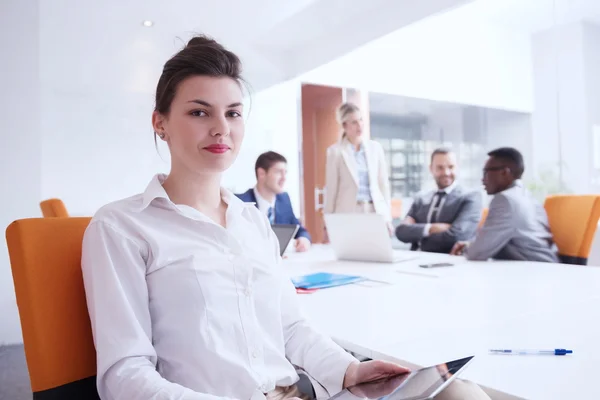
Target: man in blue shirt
(271,199)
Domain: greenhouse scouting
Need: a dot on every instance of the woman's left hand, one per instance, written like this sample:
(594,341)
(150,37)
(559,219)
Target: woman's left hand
(370,371)
(390,228)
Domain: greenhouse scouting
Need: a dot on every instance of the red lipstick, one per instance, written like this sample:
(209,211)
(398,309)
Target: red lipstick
(217,148)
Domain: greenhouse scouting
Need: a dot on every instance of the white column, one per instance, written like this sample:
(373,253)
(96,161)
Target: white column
(566,61)
(20,146)
(591,46)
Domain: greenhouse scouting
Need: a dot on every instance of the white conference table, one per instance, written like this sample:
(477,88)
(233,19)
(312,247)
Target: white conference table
(426,316)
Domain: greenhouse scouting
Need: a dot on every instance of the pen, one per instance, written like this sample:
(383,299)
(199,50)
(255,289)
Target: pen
(555,352)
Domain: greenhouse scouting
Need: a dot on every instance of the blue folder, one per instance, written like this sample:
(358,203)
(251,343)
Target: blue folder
(322,280)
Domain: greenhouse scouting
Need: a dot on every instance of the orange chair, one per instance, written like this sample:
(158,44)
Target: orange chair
(573,221)
(45,257)
(53,208)
(484,214)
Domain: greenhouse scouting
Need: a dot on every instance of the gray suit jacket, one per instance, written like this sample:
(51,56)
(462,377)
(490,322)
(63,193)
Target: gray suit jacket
(461,208)
(516,228)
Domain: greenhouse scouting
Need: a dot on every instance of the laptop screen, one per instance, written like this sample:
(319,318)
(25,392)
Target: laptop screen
(285,233)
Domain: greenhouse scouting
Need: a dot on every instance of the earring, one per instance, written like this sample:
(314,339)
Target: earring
(161,135)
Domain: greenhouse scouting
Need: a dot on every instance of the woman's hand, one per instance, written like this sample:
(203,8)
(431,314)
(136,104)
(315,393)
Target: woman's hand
(370,371)
(390,228)
(377,389)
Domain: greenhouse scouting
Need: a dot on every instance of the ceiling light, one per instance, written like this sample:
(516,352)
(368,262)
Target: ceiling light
(147,23)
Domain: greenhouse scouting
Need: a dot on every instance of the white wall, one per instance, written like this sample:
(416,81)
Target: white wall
(451,57)
(99,148)
(513,130)
(272,124)
(20,149)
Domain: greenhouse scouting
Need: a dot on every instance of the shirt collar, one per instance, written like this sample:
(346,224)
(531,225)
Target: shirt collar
(518,182)
(352,147)
(449,189)
(262,203)
(155,190)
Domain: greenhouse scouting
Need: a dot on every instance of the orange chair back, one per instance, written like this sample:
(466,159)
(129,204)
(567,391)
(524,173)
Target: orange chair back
(45,257)
(484,214)
(396,208)
(53,208)
(573,221)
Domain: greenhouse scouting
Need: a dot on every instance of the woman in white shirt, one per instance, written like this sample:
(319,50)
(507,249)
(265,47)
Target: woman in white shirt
(184,288)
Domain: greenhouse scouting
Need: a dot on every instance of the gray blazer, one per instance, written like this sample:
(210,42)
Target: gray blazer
(516,228)
(461,208)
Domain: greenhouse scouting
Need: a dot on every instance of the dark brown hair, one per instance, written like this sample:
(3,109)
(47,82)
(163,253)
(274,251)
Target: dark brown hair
(201,56)
(266,161)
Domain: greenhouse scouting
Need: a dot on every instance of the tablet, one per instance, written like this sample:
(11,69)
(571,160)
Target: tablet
(422,384)
(285,233)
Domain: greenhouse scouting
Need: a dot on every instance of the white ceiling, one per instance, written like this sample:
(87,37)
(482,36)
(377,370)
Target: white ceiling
(532,15)
(529,16)
(90,45)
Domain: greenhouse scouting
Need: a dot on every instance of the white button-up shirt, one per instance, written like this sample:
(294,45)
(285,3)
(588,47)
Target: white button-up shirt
(362,169)
(434,199)
(182,308)
(262,203)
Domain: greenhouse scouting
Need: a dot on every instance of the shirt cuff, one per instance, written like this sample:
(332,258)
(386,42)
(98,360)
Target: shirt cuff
(426,230)
(335,380)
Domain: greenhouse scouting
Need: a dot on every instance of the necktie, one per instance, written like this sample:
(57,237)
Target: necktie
(439,196)
(271,215)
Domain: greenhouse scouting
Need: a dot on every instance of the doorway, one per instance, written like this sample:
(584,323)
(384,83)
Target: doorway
(320,130)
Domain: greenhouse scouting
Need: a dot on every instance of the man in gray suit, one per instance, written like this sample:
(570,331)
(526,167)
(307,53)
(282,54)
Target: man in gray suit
(440,218)
(516,227)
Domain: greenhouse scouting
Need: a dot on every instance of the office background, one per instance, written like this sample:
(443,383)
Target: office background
(78,91)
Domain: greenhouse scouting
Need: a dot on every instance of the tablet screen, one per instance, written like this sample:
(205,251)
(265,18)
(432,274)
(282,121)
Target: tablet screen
(421,384)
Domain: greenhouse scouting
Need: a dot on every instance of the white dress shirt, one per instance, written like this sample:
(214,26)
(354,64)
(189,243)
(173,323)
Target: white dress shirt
(447,190)
(262,203)
(362,169)
(182,308)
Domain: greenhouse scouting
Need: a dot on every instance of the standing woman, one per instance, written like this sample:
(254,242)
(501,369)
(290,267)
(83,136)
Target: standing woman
(356,177)
(185,291)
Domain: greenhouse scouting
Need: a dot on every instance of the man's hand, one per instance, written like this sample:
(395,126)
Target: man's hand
(459,248)
(439,227)
(370,371)
(302,244)
(408,220)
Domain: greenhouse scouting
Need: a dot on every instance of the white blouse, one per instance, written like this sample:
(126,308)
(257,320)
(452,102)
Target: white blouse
(182,308)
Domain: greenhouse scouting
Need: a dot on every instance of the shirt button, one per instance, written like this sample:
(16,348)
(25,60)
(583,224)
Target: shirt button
(248,292)
(255,354)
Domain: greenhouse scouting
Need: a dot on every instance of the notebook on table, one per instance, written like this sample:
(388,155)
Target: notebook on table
(322,280)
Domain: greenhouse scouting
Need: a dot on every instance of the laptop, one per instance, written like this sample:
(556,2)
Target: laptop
(285,234)
(363,237)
